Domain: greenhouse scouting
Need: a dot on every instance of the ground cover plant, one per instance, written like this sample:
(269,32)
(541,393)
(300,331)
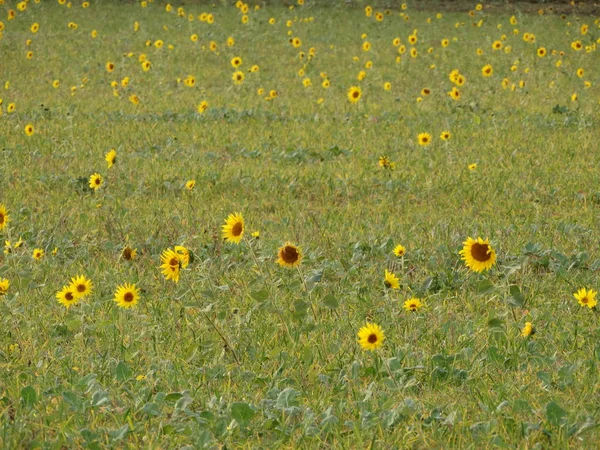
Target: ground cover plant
(311,225)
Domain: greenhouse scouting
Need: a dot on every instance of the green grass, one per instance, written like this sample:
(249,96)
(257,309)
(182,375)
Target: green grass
(242,353)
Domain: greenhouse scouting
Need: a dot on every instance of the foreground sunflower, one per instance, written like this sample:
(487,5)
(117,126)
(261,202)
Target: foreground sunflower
(424,139)
(171,265)
(127,295)
(371,336)
(233,230)
(67,296)
(354,94)
(391,281)
(82,286)
(4,218)
(478,254)
(586,297)
(399,250)
(289,255)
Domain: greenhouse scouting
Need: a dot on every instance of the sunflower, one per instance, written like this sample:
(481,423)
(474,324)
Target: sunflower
(472,167)
(233,230)
(67,296)
(580,73)
(387,86)
(528,330)
(171,265)
(586,297)
(445,42)
(576,45)
(413,304)
(446,135)
(424,139)
(127,295)
(238,77)
(37,254)
(190,184)
(111,157)
(326,83)
(371,336)
(128,253)
(399,250)
(454,93)
(391,281)
(110,67)
(82,286)
(96,181)
(236,62)
(541,52)
(478,254)
(146,65)
(296,42)
(4,217)
(366,46)
(425,92)
(289,255)
(184,255)
(202,107)
(55,84)
(487,70)
(386,163)
(4,285)
(29,129)
(134,99)
(354,94)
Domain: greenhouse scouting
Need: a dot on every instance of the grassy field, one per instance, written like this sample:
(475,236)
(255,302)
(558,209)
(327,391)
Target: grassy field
(243,352)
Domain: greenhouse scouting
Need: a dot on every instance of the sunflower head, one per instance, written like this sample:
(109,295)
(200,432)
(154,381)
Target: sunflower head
(127,295)
(413,304)
(371,336)
(478,254)
(289,255)
(390,280)
(586,297)
(233,230)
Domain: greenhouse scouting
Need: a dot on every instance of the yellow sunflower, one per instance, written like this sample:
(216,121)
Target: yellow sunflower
(424,139)
(371,336)
(37,254)
(171,265)
(446,135)
(202,107)
(478,254)
(391,281)
(111,157)
(586,297)
(67,296)
(233,230)
(413,304)
(236,62)
(29,129)
(129,253)
(4,285)
(528,330)
(96,181)
(127,295)
(399,250)
(289,255)
(82,286)
(4,217)
(190,184)
(238,77)
(354,94)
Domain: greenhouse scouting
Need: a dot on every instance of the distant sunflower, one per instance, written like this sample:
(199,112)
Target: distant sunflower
(238,77)
(190,184)
(472,166)
(128,253)
(4,285)
(289,255)
(29,129)
(127,295)
(391,281)
(236,62)
(371,336)
(233,230)
(37,254)
(4,217)
(202,107)
(67,296)
(478,254)
(528,330)
(399,250)
(110,67)
(171,265)
(446,135)
(487,70)
(413,304)
(96,181)
(586,297)
(111,157)
(424,139)
(354,94)
(82,286)
(541,52)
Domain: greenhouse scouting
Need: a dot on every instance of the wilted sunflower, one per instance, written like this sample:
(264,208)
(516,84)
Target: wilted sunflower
(399,250)
(289,255)
(4,217)
(128,253)
(424,139)
(528,330)
(82,286)
(478,254)
(4,285)
(233,230)
(391,281)
(111,157)
(127,295)
(371,336)
(586,297)
(67,296)
(354,94)
(37,254)
(413,304)
(171,265)
(96,181)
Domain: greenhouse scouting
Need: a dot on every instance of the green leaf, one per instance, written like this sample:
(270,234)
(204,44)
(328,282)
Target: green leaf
(516,298)
(28,396)
(330,302)
(173,396)
(485,287)
(71,399)
(555,414)
(494,322)
(122,371)
(260,296)
(151,409)
(242,413)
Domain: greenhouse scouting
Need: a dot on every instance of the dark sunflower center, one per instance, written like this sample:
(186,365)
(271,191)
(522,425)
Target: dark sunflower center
(479,252)
(174,262)
(97,181)
(69,296)
(355,94)
(289,254)
(128,297)
(412,307)
(127,253)
(81,288)
(237,229)
(372,338)
(1,218)
(585,300)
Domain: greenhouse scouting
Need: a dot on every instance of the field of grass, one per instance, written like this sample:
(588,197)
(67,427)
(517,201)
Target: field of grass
(242,352)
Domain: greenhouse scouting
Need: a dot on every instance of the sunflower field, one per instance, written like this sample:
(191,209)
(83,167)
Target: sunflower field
(300,224)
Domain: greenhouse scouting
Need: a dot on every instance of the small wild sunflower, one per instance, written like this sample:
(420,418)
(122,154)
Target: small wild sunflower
(446,135)
(586,297)
(354,94)
(424,139)
(190,184)
(399,250)
(82,286)
(96,181)
(478,254)
(233,230)
(67,296)
(128,253)
(413,304)
(4,217)
(390,280)
(4,285)
(289,255)
(371,336)
(528,330)
(127,295)
(171,265)
(37,254)
(111,157)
